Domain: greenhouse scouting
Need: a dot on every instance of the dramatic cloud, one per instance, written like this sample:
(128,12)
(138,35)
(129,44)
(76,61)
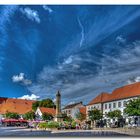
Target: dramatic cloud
(30,97)
(30,14)
(81,51)
(86,81)
(47,8)
(21,78)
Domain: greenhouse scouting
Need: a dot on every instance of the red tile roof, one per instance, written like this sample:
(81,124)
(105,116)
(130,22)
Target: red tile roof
(50,111)
(127,91)
(19,106)
(82,110)
(131,90)
(100,98)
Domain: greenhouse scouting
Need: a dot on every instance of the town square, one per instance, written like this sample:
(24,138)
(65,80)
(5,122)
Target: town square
(69,70)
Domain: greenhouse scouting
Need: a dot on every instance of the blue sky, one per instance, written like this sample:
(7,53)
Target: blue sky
(79,50)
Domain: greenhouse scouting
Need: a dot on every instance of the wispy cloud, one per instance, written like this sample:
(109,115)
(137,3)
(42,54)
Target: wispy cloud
(21,78)
(30,14)
(7,12)
(68,60)
(47,8)
(82,32)
(120,39)
(88,80)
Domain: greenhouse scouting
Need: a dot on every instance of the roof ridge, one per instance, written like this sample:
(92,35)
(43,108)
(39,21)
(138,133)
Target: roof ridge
(126,91)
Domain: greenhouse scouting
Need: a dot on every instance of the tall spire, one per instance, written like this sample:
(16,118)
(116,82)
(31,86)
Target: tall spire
(58,93)
(58,116)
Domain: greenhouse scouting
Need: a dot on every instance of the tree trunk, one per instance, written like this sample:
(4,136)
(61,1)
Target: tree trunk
(92,124)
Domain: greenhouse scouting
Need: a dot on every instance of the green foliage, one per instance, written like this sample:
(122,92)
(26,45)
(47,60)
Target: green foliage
(73,124)
(67,119)
(42,125)
(44,103)
(114,114)
(80,116)
(133,107)
(46,116)
(95,114)
(35,105)
(12,115)
(52,124)
(29,115)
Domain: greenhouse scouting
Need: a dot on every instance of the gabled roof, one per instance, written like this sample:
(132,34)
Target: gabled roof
(124,92)
(131,90)
(50,111)
(100,98)
(72,105)
(19,106)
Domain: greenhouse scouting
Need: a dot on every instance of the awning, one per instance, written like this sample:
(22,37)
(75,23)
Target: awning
(13,120)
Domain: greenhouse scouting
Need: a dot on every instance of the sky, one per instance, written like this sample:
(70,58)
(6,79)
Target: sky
(81,50)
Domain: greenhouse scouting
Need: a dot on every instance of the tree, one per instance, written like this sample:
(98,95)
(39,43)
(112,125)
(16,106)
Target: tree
(12,115)
(35,105)
(114,114)
(133,107)
(46,116)
(67,118)
(95,114)
(44,103)
(29,115)
(80,116)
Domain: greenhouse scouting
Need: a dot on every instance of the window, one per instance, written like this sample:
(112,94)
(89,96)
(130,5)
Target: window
(105,106)
(109,105)
(69,111)
(92,107)
(119,104)
(114,105)
(124,103)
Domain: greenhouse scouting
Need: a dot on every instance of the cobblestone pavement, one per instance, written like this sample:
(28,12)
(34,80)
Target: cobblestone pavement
(22,132)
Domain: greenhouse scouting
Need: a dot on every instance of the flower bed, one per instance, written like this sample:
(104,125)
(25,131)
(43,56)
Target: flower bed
(48,125)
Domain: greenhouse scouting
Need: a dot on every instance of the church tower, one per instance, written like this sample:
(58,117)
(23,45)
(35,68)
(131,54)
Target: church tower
(58,103)
(58,116)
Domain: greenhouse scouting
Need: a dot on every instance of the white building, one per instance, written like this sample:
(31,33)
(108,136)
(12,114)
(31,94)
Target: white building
(72,109)
(116,101)
(40,110)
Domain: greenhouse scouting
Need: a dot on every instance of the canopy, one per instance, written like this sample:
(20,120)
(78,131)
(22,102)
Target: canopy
(14,120)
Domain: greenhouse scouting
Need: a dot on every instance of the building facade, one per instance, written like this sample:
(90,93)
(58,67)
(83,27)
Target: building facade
(40,110)
(117,100)
(72,109)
